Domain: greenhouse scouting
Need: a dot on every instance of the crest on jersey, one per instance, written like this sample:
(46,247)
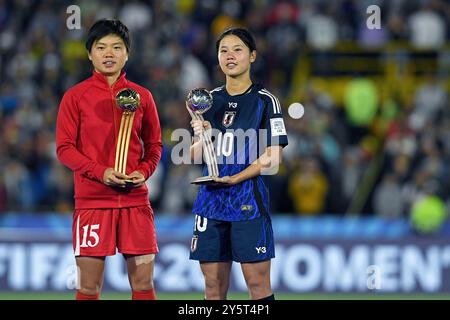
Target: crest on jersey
(194,243)
(228,118)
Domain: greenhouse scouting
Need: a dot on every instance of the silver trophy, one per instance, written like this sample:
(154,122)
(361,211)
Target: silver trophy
(199,101)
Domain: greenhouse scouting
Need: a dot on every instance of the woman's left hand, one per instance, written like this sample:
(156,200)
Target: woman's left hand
(138,179)
(226,180)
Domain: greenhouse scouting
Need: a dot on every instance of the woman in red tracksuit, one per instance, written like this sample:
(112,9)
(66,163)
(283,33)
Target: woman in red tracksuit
(109,213)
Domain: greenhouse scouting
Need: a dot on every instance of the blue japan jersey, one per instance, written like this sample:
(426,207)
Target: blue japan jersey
(243,126)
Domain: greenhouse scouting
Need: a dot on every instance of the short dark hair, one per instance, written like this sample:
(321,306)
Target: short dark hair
(105,27)
(242,34)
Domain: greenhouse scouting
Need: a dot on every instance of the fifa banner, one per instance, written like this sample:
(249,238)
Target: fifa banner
(301,266)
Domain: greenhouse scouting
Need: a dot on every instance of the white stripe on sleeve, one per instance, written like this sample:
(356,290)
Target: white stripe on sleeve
(275,101)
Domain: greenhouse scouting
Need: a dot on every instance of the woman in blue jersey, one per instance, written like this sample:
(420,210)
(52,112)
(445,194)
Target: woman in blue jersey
(232,221)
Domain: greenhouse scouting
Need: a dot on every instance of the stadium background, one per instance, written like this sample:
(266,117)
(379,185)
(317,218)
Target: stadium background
(360,205)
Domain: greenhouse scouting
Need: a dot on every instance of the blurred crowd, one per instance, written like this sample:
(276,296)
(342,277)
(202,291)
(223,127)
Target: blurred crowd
(374,148)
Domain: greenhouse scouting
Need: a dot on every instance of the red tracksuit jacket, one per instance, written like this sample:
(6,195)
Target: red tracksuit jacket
(86,135)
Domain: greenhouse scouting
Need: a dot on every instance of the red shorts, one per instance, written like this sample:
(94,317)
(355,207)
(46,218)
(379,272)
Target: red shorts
(98,232)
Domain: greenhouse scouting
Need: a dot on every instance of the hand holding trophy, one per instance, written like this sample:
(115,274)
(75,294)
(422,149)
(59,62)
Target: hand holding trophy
(128,100)
(199,101)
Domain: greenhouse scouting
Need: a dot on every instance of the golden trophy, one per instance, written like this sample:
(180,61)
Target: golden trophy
(128,100)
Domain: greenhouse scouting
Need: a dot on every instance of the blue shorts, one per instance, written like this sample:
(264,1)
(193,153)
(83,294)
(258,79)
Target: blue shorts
(240,241)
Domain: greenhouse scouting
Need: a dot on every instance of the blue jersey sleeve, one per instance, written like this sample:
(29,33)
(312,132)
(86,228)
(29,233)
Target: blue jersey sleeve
(274,123)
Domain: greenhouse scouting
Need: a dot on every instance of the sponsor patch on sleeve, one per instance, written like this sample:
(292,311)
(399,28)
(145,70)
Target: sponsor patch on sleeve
(277,127)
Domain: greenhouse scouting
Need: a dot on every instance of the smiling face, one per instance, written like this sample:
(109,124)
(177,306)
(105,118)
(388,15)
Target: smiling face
(234,56)
(109,55)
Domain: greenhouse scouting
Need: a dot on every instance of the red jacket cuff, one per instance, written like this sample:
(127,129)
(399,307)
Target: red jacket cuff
(99,171)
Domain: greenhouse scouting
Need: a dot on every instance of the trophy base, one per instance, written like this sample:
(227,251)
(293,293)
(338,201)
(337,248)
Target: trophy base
(204,181)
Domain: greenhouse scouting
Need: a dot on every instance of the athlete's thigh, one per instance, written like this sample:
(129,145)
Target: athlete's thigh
(252,240)
(211,240)
(136,231)
(94,232)
(140,266)
(216,270)
(260,270)
(90,271)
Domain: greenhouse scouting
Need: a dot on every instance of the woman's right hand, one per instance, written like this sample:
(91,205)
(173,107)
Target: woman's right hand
(198,126)
(112,177)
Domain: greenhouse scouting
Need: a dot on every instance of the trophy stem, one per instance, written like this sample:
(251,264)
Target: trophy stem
(193,115)
(119,143)
(123,141)
(127,142)
(210,157)
(208,150)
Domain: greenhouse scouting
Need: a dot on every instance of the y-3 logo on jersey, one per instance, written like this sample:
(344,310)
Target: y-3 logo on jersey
(232,105)
(260,249)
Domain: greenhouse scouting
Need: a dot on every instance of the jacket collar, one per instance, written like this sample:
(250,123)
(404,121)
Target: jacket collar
(101,80)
